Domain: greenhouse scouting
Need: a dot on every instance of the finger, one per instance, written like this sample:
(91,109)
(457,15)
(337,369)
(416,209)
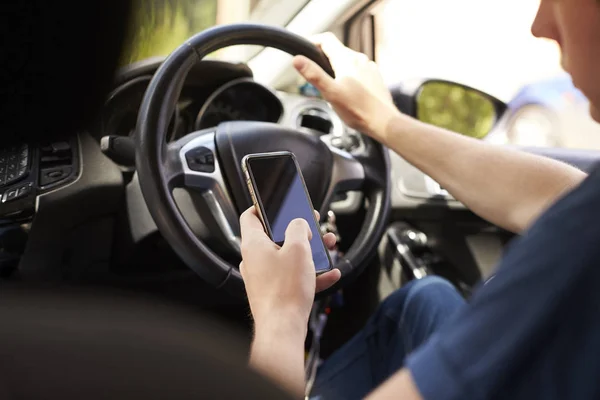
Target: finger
(328,279)
(250,223)
(317,215)
(254,239)
(297,234)
(314,74)
(328,42)
(330,240)
(337,53)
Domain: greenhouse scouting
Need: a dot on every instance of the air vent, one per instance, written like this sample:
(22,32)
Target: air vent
(316,119)
(56,163)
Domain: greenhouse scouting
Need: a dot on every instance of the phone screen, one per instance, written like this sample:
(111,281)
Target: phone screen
(280,190)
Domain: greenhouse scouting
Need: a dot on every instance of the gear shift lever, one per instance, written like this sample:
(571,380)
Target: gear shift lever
(403,242)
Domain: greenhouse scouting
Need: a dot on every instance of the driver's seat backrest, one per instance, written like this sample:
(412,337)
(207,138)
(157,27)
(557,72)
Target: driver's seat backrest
(58,61)
(71,344)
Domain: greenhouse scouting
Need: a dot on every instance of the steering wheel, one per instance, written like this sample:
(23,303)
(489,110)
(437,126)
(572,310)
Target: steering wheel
(209,161)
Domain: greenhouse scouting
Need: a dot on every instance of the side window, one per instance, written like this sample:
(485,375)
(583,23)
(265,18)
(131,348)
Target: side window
(489,46)
(159,26)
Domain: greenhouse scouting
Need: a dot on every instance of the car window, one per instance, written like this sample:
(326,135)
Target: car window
(489,46)
(160,26)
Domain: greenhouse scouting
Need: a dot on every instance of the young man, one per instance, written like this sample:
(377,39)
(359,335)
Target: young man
(531,332)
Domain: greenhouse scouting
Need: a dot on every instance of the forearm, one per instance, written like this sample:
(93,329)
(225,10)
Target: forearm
(507,187)
(278,352)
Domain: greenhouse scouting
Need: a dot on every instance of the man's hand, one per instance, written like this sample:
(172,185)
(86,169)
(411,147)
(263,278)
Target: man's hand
(280,284)
(358,93)
(281,281)
(506,187)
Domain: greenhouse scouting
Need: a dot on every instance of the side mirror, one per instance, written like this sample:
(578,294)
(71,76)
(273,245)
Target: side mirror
(457,107)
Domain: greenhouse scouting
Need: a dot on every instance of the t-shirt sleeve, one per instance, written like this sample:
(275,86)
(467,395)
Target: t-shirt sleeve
(508,320)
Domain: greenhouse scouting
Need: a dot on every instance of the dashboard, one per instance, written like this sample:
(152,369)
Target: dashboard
(238,100)
(216,92)
(199,107)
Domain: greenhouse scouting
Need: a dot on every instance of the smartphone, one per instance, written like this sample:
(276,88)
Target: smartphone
(280,195)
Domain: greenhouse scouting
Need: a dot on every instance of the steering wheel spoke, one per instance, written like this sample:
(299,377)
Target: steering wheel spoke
(347,174)
(192,163)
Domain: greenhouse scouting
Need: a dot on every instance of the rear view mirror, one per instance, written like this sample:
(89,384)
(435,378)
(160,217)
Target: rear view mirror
(458,108)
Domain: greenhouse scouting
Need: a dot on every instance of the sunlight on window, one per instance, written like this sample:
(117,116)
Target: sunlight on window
(468,41)
(160,26)
(488,45)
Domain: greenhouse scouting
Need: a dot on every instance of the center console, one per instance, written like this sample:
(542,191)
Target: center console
(27,171)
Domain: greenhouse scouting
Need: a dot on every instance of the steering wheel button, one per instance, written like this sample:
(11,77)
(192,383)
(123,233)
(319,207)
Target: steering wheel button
(201,160)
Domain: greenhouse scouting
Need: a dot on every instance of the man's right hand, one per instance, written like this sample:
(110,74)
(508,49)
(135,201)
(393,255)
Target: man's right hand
(358,93)
(281,281)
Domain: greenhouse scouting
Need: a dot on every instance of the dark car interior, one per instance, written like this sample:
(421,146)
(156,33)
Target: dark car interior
(127,181)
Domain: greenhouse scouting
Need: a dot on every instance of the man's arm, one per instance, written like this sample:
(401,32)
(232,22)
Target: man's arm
(278,352)
(507,187)
(281,284)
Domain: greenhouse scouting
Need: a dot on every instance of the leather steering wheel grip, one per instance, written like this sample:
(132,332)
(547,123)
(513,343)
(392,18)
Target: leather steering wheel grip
(222,36)
(154,116)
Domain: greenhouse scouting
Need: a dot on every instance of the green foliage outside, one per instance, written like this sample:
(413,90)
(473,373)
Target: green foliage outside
(456,108)
(160,26)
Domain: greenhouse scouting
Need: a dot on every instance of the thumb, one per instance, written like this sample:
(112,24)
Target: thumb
(314,74)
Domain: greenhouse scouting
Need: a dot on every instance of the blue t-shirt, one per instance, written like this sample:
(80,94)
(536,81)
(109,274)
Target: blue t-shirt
(532,332)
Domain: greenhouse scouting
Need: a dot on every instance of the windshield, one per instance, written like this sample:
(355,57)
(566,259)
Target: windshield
(160,26)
